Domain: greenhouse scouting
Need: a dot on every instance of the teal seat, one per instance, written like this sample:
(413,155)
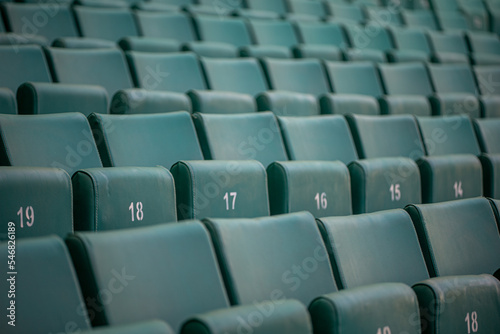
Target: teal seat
(149,44)
(273,32)
(382,16)
(232,31)
(458,237)
(122,140)
(217,102)
(220,189)
(484,43)
(322,188)
(372,36)
(103,67)
(495,204)
(450,44)
(345,104)
(313,8)
(487,135)
(226,74)
(141,101)
(487,77)
(420,18)
(160,71)
(346,11)
(405,79)
(325,138)
(8,103)
(60,140)
(82,43)
(22,63)
(278,6)
(48,98)
(354,78)
(105,23)
(288,103)
(186,247)
(171,25)
(316,33)
(117,198)
(412,44)
(240,137)
(37,201)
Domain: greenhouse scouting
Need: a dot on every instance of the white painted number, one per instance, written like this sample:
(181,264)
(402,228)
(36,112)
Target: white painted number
(458,189)
(138,214)
(471,320)
(321,201)
(29,215)
(385,330)
(226,198)
(395,190)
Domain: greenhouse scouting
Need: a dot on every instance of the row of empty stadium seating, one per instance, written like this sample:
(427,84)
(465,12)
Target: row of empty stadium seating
(401,88)
(259,274)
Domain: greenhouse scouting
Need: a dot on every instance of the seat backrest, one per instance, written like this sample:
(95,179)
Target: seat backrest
(22,63)
(177,72)
(172,25)
(484,42)
(448,135)
(421,18)
(105,23)
(405,79)
(147,140)
(321,33)
(385,16)
(487,77)
(346,11)
(453,78)
(448,42)
(227,74)
(373,37)
(318,138)
(59,140)
(103,67)
(37,201)
(152,268)
(265,257)
(388,136)
(240,137)
(8,103)
(48,21)
(373,248)
(220,189)
(230,30)
(296,75)
(458,237)
(273,32)
(488,134)
(411,39)
(354,78)
(277,6)
(46,296)
(314,8)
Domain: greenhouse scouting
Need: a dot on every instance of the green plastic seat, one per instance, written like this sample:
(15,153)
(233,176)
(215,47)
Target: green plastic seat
(149,44)
(83,43)
(314,8)
(8,103)
(37,201)
(452,20)
(117,198)
(103,67)
(482,42)
(383,16)
(141,101)
(49,98)
(288,103)
(487,78)
(176,72)
(410,41)
(458,237)
(22,63)
(346,11)
(448,42)
(240,137)
(487,135)
(456,78)
(230,30)
(216,102)
(220,189)
(354,78)
(345,104)
(273,32)
(278,6)
(421,18)
(372,36)
(406,79)
(60,140)
(123,141)
(176,26)
(316,33)
(322,188)
(105,23)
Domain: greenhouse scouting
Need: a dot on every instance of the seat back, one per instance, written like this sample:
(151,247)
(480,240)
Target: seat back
(230,30)
(105,23)
(172,25)
(322,34)
(453,78)
(487,77)
(273,32)
(411,39)
(488,134)
(372,36)
(405,79)
(354,78)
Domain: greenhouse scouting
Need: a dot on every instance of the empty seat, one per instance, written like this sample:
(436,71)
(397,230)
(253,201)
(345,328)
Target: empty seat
(452,20)
(82,43)
(220,189)
(406,79)
(232,31)
(458,237)
(7,101)
(176,26)
(141,101)
(176,72)
(412,45)
(385,16)
(314,8)
(145,140)
(273,32)
(217,102)
(372,36)
(488,135)
(59,140)
(354,78)
(344,104)
(487,43)
(420,19)
(48,21)
(103,67)
(22,63)
(449,47)
(278,6)
(116,198)
(37,201)
(487,131)
(149,44)
(322,188)
(288,104)
(226,74)
(49,98)
(487,80)
(320,40)
(240,137)
(186,247)
(346,12)
(105,23)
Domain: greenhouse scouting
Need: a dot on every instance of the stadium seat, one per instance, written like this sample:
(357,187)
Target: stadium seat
(49,98)
(105,23)
(175,72)
(495,204)
(82,43)
(288,104)
(232,31)
(226,74)
(316,33)
(485,43)
(186,247)
(7,101)
(314,8)
(422,18)
(449,47)
(412,45)
(103,67)
(10,38)
(36,200)
(322,188)
(354,78)
(344,104)
(22,63)
(452,21)
(117,198)
(405,79)
(175,26)
(278,6)
(458,237)
(220,189)
(372,36)
(487,131)
(487,79)
(145,140)
(149,44)
(51,21)
(60,140)
(346,12)
(476,14)
(240,137)
(389,17)
(273,32)
(324,138)
(218,102)
(141,101)
(488,135)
